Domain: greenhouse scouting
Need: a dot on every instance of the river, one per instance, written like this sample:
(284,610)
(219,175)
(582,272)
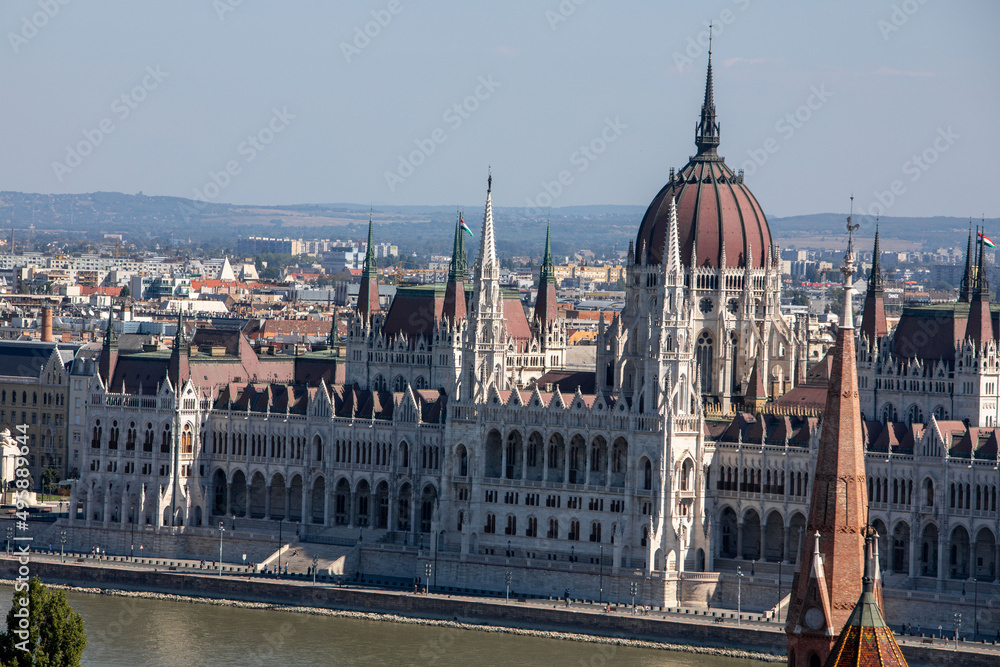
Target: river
(133,632)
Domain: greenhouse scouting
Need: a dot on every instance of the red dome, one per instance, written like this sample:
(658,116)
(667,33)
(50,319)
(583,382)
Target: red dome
(712,204)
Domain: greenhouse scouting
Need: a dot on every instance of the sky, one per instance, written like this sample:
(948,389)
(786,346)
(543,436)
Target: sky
(569,102)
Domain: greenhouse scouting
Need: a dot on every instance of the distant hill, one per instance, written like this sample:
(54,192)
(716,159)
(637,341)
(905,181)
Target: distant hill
(604,229)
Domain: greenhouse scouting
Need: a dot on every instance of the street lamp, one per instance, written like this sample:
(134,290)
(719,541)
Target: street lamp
(739,594)
(975,616)
(428,569)
(222,529)
(10,535)
(600,595)
(508,576)
(280,521)
(779,590)
(508,548)
(315,564)
(131,550)
(62,546)
(633,588)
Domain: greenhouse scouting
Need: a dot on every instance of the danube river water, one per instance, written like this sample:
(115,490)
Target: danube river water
(133,632)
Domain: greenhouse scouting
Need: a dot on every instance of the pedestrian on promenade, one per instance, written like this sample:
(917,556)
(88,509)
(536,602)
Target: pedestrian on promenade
(566,596)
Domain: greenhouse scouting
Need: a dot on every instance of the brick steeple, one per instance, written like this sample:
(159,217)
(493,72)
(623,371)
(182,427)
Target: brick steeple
(546,310)
(873,324)
(368,294)
(828,584)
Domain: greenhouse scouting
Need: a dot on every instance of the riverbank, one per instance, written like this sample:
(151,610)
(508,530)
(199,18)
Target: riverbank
(547,619)
(396,618)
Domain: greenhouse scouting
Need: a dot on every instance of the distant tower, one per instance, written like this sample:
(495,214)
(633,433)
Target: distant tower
(368,294)
(980,326)
(873,324)
(454,293)
(109,352)
(828,583)
(546,310)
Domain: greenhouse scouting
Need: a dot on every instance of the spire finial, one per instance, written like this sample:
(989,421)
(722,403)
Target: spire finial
(847,322)
(707,130)
(489,179)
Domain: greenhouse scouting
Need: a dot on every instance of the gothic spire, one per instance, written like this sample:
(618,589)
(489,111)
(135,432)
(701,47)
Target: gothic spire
(546,310)
(838,507)
(672,251)
(458,269)
(488,266)
(368,293)
(965,293)
(875,277)
(873,323)
(707,131)
(980,324)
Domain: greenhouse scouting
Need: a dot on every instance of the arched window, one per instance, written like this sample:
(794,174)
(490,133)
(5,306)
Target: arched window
(705,357)
(647,476)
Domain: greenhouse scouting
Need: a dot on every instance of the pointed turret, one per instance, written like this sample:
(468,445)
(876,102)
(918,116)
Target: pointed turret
(488,332)
(178,368)
(109,351)
(546,310)
(866,638)
(368,294)
(454,293)
(837,511)
(965,291)
(672,247)
(706,135)
(873,324)
(980,325)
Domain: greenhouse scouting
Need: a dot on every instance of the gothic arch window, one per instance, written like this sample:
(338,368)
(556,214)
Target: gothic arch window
(914,415)
(398,383)
(704,357)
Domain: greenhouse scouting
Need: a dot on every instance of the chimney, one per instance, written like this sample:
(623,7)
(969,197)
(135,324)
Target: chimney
(47,324)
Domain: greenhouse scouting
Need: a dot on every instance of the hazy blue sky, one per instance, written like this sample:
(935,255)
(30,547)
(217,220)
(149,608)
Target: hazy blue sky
(333,112)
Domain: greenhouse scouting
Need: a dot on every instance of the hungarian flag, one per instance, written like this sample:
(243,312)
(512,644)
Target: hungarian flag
(461,223)
(986,241)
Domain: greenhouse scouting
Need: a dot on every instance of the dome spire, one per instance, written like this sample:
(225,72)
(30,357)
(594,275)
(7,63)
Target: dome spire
(706,136)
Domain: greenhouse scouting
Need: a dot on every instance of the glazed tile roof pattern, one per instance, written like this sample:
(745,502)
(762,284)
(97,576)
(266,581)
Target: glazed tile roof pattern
(866,640)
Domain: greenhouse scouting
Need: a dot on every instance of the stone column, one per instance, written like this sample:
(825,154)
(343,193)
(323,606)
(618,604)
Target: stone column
(914,549)
(972,558)
(306,506)
(788,546)
(566,455)
(228,509)
(288,503)
(503,459)
(586,463)
(739,540)
(524,460)
(267,502)
(942,565)
(763,542)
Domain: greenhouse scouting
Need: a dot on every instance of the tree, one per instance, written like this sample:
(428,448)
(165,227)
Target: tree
(125,293)
(50,477)
(42,628)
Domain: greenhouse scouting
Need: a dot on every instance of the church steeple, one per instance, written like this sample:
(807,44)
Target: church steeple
(822,600)
(368,294)
(706,136)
